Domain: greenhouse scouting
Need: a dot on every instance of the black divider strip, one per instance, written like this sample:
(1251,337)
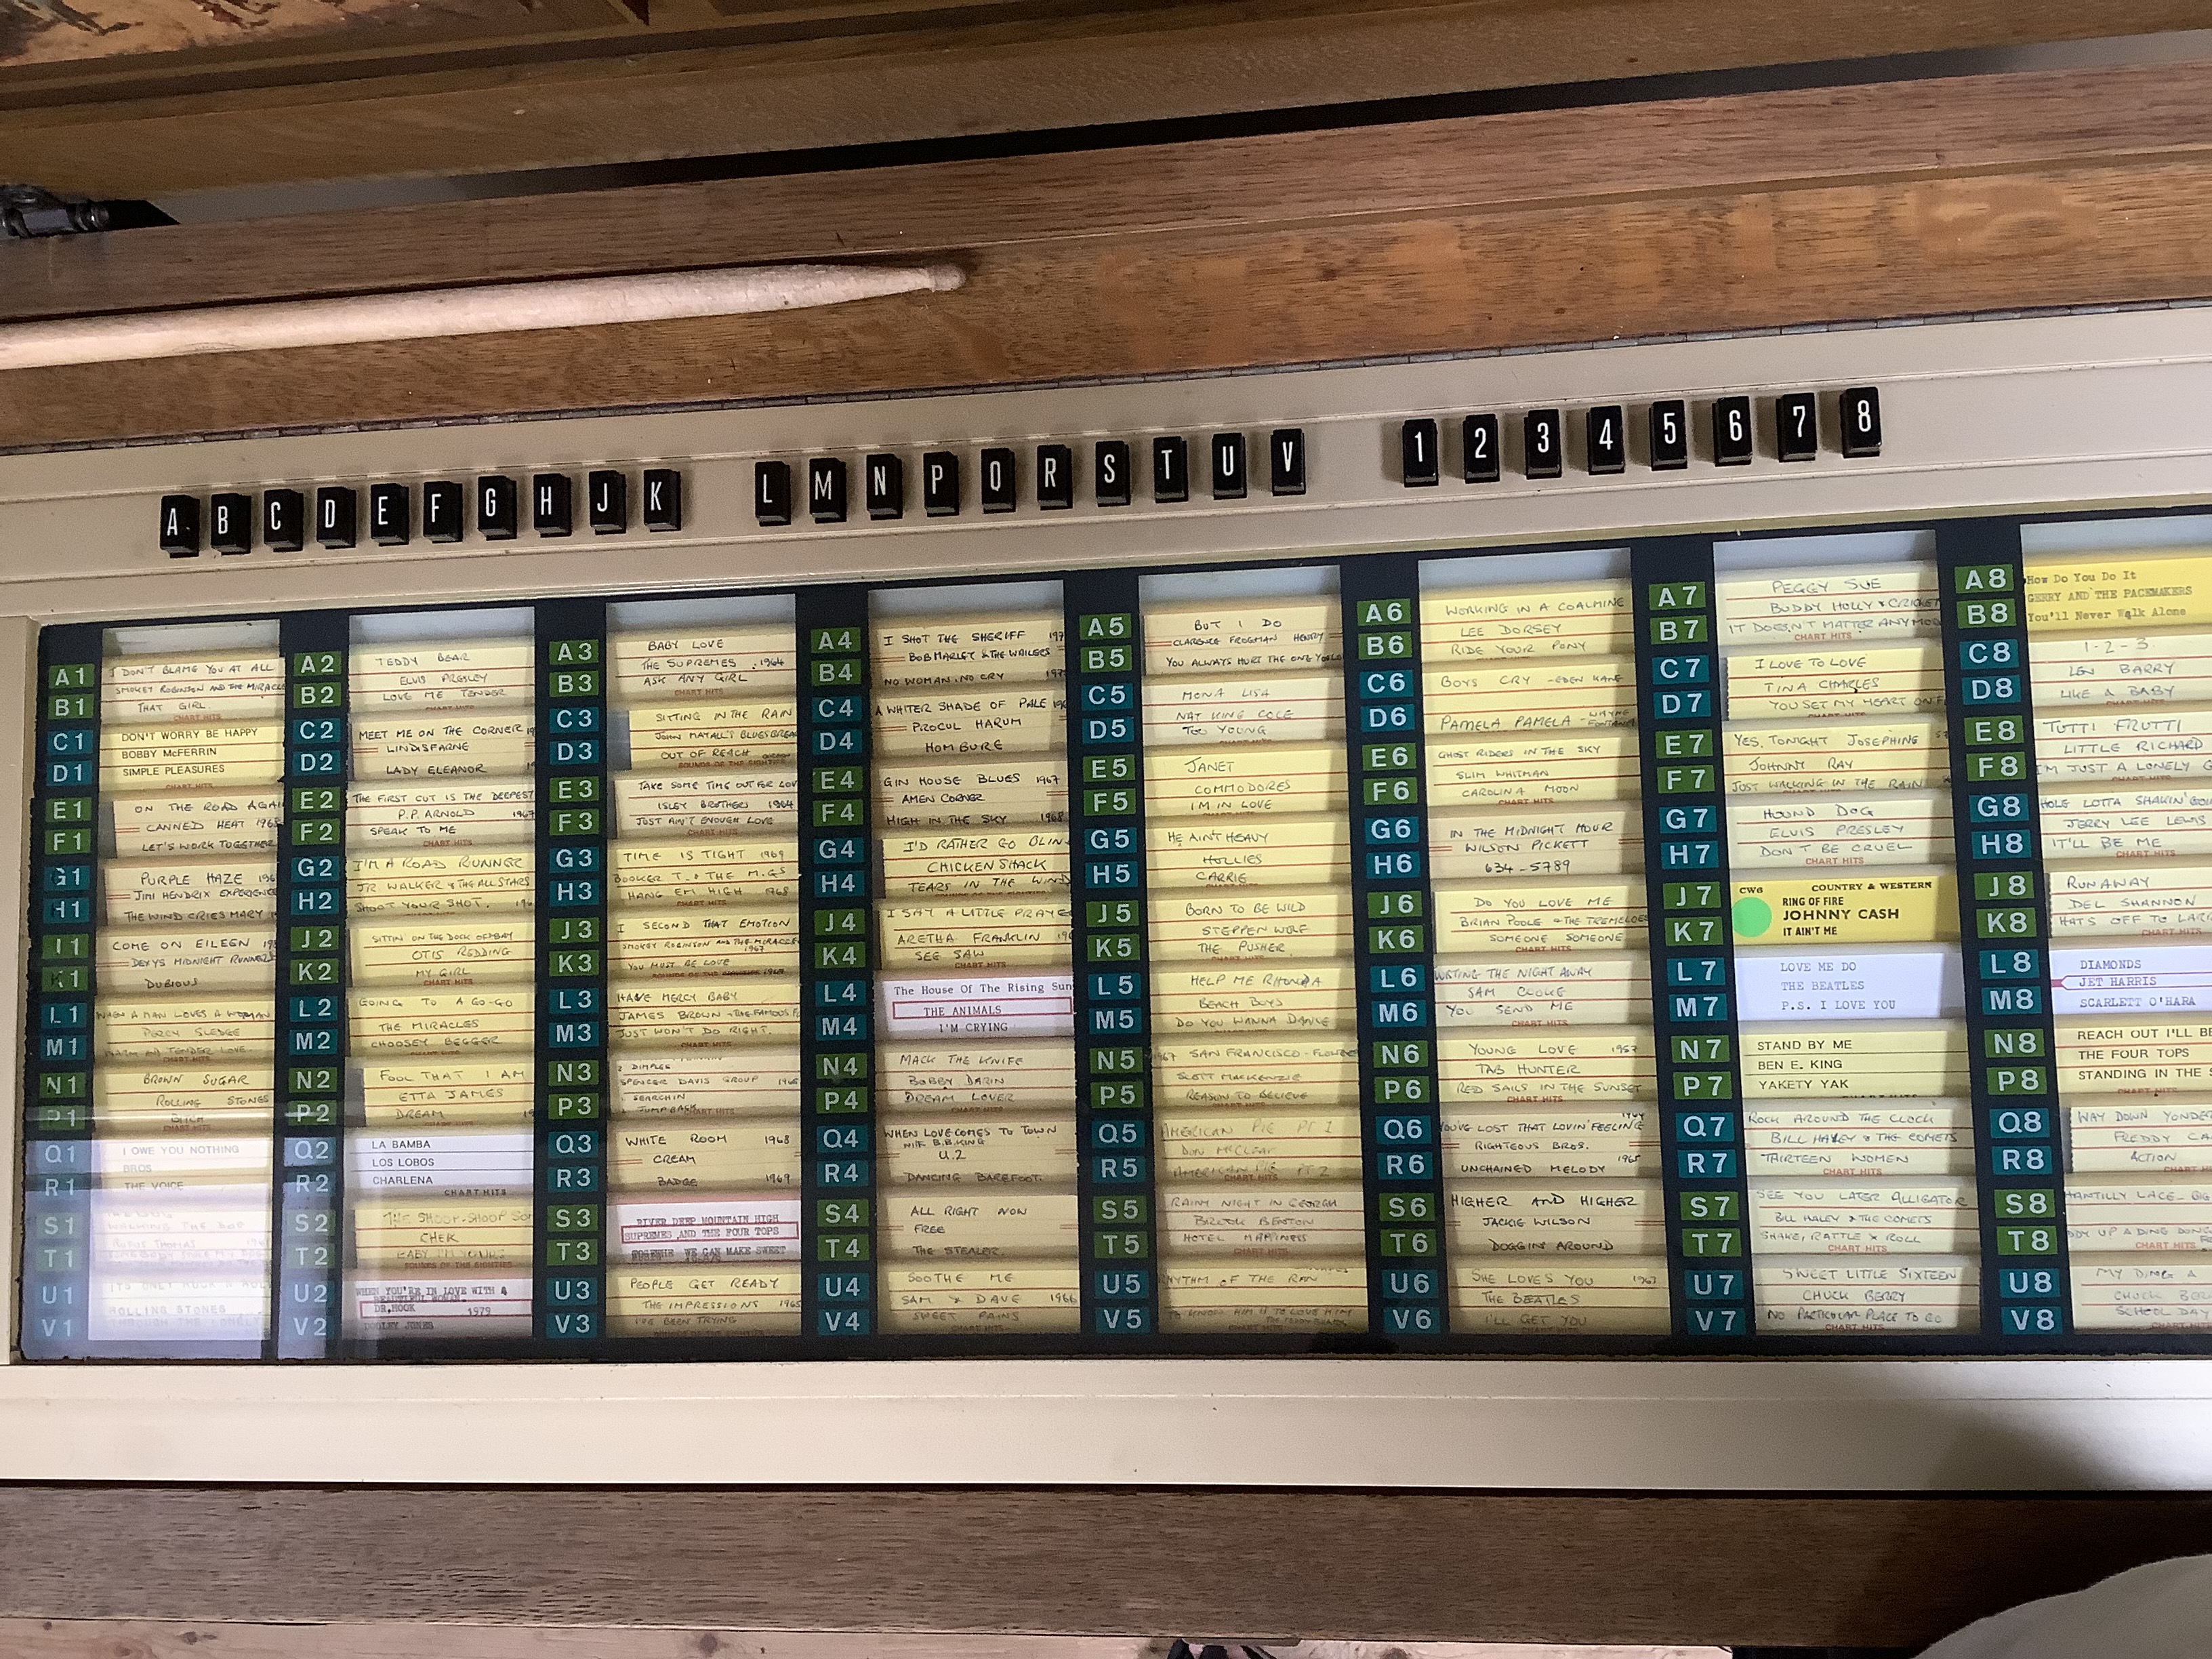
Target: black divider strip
(2004,937)
(1117,1180)
(58,1047)
(569,1281)
(311,990)
(838,857)
(1393,921)
(1693,990)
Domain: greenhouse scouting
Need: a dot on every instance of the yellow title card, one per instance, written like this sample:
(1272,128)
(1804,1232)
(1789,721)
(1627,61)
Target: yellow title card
(1009,647)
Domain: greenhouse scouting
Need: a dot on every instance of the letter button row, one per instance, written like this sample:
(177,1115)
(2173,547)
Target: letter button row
(1051,471)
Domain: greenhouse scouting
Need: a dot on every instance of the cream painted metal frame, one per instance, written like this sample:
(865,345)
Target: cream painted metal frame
(2088,413)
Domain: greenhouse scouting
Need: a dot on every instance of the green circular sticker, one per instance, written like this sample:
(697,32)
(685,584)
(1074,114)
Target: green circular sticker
(1752,916)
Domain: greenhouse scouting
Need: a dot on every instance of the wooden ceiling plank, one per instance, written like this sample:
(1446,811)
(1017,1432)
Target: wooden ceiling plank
(1894,130)
(825,91)
(2097,233)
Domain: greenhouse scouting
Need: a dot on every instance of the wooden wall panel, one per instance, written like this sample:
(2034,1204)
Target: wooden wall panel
(925,75)
(1694,147)
(1209,300)
(103,1638)
(1879,1573)
(44,33)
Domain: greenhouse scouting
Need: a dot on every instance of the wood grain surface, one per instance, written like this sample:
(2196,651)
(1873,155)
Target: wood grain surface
(1794,1572)
(924,72)
(101,1638)
(82,31)
(1207,299)
(1891,132)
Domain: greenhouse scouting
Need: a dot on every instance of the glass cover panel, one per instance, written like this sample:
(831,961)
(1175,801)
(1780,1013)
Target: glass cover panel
(2119,619)
(975,1062)
(441,856)
(1858,1126)
(1543,991)
(702,967)
(191,758)
(1255,1052)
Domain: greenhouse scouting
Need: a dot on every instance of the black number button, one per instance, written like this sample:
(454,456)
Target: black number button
(1478,448)
(1670,435)
(1862,421)
(1543,443)
(1606,434)
(1416,453)
(1732,432)
(1796,426)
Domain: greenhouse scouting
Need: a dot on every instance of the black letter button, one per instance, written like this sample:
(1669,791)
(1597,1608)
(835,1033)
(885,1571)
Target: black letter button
(998,480)
(230,523)
(1605,428)
(1480,446)
(1170,469)
(1543,443)
(772,492)
(886,486)
(607,501)
(180,526)
(1228,466)
(283,520)
(1287,460)
(551,511)
(1055,476)
(1796,426)
(940,484)
(1417,453)
(1109,460)
(499,507)
(825,489)
(1732,432)
(1670,435)
(664,498)
(442,512)
(1862,421)
(335,508)
(387,514)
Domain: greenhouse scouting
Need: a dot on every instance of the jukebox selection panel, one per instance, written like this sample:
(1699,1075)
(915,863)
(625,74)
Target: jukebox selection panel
(1784,944)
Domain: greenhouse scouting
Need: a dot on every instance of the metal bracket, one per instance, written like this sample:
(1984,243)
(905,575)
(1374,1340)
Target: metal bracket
(28,210)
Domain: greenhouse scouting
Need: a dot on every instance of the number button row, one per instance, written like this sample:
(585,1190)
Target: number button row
(1606,444)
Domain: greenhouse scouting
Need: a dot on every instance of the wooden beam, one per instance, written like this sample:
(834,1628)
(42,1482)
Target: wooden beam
(102,1639)
(93,34)
(629,98)
(1199,299)
(1413,1566)
(1697,147)
(115,1639)
(106,1638)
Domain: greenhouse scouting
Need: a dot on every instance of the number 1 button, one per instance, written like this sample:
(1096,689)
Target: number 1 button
(1416,453)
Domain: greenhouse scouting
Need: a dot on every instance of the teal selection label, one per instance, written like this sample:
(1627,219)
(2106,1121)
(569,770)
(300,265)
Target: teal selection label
(836,933)
(1393,952)
(570,1279)
(2003,930)
(1115,1180)
(311,990)
(1693,1008)
(58,1048)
